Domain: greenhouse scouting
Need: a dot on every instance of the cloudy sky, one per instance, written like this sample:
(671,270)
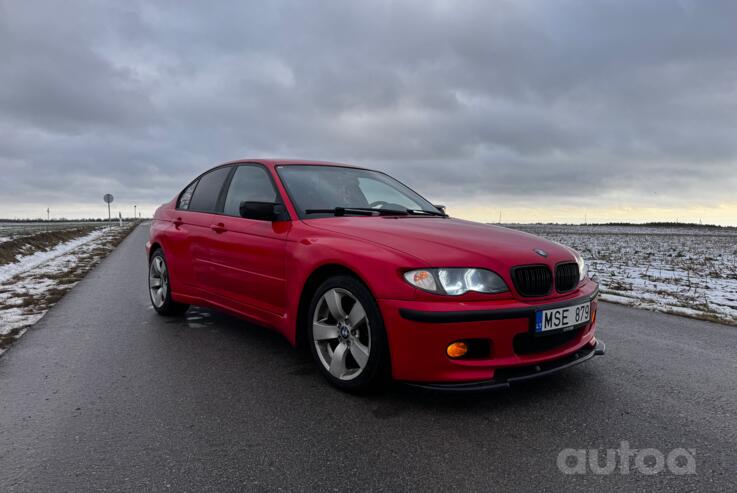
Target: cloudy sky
(548,110)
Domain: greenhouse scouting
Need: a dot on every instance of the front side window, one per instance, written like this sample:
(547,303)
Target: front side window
(249,183)
(207,192)
(327,187)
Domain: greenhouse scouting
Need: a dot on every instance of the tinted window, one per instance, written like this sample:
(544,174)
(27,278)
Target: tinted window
(249,183)
(186,196)
(205,197)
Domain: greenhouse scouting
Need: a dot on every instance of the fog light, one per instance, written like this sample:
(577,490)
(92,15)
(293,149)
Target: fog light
(457,349)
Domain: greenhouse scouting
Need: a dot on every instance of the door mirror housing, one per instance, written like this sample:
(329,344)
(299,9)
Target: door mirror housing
(440,207)
(262,211)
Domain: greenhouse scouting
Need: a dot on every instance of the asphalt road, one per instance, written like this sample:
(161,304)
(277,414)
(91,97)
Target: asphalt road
(103,394)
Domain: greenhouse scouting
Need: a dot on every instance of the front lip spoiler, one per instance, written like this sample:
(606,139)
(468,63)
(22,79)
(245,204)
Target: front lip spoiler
(484,315)
(519,374)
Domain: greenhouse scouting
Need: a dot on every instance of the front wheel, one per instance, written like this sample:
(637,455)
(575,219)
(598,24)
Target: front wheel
(159,289)
(347,337)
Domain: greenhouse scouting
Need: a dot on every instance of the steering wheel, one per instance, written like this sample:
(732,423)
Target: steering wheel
(378,204)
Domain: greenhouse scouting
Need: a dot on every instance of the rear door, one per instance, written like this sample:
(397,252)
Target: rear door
(178,243)
(250,254)
(201,222)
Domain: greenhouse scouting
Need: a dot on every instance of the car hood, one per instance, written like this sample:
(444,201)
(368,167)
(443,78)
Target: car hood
(448,242)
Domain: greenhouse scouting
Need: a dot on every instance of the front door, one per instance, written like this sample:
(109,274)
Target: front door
(248,254)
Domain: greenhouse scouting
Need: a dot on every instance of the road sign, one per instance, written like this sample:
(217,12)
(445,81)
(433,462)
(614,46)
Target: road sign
(108,198)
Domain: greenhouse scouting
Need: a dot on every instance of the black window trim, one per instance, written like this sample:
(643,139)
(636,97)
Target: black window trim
(217,202)
(219,205)
(197,179)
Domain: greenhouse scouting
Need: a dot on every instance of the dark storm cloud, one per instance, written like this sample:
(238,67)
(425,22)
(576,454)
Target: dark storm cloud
(513,101)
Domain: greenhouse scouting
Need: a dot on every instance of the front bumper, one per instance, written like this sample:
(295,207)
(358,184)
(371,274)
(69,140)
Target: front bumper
(420,332)
(504,378)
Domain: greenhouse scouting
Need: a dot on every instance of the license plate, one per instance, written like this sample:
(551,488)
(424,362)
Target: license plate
(562,318)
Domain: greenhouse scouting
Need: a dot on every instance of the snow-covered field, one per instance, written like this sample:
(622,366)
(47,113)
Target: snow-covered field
(687,271)
(32,281)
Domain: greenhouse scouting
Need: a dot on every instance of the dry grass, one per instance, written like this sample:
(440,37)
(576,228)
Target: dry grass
(43,241)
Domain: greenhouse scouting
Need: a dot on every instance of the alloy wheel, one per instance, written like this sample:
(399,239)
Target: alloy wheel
(341,334)
(158,281)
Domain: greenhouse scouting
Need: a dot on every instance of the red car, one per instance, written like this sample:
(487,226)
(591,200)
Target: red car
(378,282)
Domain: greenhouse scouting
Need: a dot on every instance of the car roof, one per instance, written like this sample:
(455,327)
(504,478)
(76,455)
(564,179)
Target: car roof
(273,162)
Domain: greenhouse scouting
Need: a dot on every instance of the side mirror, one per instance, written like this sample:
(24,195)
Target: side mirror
(262,211)
(441,207)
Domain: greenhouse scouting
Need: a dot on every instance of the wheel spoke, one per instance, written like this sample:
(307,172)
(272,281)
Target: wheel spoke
(337,364)
(357,315)
(322,331)
(333,299)
(156,293)
(360,353)
(154,282)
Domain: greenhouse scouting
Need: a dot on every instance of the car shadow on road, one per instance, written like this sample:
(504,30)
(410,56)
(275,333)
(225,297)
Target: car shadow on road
(299,371)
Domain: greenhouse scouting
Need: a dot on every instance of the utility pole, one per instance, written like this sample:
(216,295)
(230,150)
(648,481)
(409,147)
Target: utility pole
(134,212)
(48,214)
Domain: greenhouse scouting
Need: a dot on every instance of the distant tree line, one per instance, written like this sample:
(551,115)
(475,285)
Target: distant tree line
(66,220)
(664,225)
(635,225)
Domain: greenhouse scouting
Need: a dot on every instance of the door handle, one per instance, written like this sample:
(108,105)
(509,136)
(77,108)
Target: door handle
(218,228)
(178,222)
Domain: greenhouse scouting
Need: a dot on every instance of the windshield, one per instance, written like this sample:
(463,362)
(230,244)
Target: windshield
(324,188)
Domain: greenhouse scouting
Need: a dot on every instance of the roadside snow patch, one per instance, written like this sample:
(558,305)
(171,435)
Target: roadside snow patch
(28,262)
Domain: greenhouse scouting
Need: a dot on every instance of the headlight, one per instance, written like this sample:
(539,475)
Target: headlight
(583,269)
(455,282)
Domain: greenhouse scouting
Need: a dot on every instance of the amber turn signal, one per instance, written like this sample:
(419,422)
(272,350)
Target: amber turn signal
(457,349)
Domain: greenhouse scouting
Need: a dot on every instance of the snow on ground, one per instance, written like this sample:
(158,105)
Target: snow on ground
(28,262)
(686,271)
(30,286)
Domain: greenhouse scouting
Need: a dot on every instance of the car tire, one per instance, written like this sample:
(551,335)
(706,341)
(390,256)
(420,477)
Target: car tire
(346,335)
(159,288)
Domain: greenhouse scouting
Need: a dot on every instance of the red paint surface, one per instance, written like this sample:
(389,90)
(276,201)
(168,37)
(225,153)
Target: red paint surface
(258,270)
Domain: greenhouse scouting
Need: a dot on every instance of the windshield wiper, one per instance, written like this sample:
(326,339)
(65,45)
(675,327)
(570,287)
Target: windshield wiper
(368,211)
(342,211)
(423,212)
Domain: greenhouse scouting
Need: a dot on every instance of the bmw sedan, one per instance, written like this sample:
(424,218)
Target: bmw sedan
(375,280)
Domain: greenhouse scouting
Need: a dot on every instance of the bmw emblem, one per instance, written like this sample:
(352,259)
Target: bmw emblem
(540,252)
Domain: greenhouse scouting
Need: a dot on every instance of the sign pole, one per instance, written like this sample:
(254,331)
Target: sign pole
(108,198)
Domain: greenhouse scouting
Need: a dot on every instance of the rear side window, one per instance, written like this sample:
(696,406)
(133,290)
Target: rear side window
(186,196)
(249,183)
(207,192)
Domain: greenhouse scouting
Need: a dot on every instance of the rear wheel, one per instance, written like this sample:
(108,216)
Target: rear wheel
(159,289)
(346,334)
